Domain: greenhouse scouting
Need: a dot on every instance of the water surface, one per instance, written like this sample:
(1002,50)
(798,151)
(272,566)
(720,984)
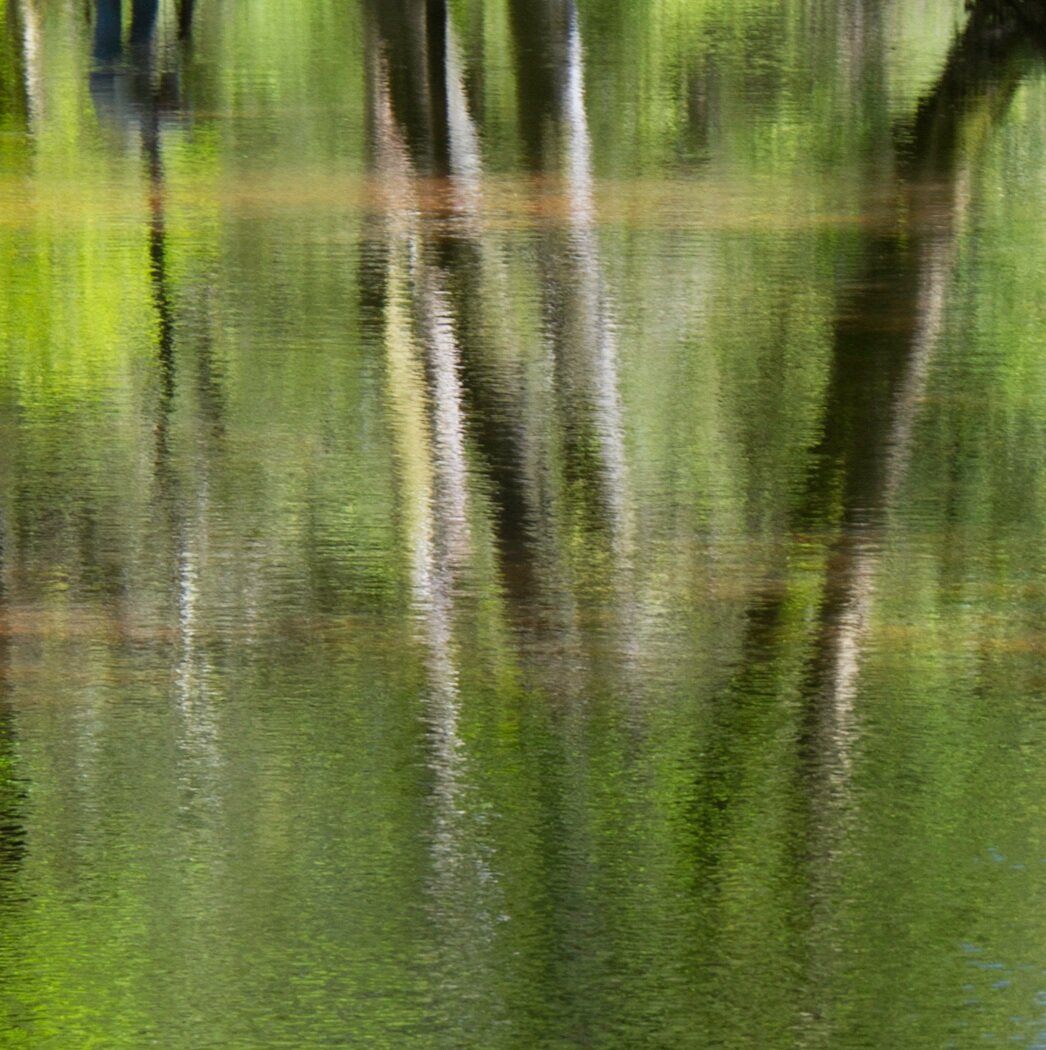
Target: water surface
(522,524)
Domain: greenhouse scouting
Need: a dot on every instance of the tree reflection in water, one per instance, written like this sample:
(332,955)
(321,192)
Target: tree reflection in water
(442,597)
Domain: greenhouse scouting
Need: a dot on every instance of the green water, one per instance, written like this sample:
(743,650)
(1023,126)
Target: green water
(522,525)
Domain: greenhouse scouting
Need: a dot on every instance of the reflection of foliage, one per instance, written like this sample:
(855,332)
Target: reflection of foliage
(630,726)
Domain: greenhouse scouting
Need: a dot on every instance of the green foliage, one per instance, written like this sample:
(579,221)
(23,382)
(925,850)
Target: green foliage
(360,688)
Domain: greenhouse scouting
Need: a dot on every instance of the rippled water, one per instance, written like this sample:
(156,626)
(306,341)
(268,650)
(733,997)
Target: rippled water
(521,524)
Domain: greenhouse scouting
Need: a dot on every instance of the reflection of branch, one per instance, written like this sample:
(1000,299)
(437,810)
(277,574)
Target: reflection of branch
(880,369)
(886,333)
(885,340)
(984,66)
(855,557)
